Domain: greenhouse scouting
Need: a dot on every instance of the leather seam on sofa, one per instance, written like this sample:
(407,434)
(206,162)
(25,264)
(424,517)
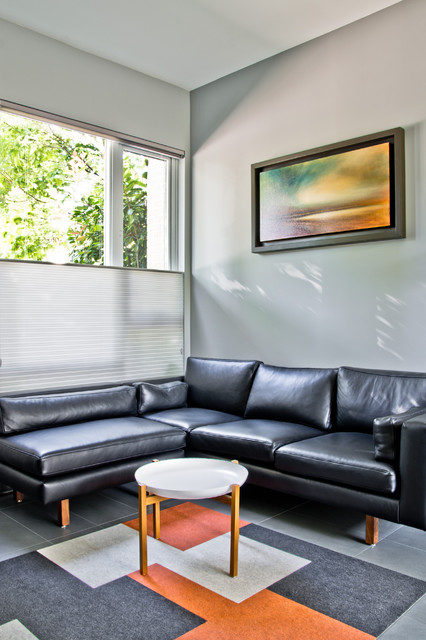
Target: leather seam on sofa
(333,463)
(65,452)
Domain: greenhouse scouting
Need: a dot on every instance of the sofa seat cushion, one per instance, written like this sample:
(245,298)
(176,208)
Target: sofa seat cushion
(88,444)
(248,439)
(189,418)
(343,458)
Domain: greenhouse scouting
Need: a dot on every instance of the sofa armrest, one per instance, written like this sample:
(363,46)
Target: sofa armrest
(387,434)
(413,472)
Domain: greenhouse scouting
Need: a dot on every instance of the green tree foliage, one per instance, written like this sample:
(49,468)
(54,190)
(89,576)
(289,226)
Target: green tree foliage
(52,195)
(134,213)
(85,235)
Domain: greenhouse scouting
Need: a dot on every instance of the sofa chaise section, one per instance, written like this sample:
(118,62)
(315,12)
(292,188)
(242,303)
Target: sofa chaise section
(55,446)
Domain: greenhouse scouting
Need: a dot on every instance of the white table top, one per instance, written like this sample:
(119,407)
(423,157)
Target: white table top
(191,478)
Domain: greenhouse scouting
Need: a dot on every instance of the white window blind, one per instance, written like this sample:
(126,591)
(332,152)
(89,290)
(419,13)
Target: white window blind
(65,326)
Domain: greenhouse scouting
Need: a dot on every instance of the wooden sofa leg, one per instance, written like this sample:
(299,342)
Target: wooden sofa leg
(63,513)
(371,530)
(18,496)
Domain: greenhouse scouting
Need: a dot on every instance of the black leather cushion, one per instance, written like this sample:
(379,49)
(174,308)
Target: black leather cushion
(155,397)
(303,396)
(343,458)
(88,444)
(190,417)
(387,434)
(27,413)
(364,395)
(248,439)
(223,385)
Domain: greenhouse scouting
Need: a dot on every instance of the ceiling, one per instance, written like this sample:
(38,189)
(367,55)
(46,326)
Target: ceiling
(188,43)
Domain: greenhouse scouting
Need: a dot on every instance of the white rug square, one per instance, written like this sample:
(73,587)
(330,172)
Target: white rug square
(207,564)
(103,556)
(98,557)
(14,630)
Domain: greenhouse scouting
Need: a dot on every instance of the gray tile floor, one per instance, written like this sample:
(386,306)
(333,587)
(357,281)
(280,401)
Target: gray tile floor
(28,526)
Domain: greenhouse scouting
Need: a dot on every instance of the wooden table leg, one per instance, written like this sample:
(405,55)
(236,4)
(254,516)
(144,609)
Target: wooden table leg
(235,529)
(156,520)
(143,531)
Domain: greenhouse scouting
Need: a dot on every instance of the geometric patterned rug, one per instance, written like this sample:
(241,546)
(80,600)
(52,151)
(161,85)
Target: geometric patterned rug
(90,588)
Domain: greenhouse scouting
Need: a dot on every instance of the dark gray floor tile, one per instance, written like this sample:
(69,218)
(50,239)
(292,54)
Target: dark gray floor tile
(6,500)
(250,510)
(357,530)
(405,628)
(126,494)
(14,553)
(15,537)
(314,531)
(43,520)
(347,520)
(398,557)
(410,537)
(98,508)
(418,611)
(336,516)
(268,496)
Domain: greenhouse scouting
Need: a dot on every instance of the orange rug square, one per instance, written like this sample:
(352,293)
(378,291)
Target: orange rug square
(187,525)
(264,615)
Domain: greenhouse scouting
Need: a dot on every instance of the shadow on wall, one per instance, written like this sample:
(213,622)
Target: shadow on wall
(220,279)
(208,113)
(297,312)
(389,318)
(218,328)
(231,317)
(311,274)
(308,272)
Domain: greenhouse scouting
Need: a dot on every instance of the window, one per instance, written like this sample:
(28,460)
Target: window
(68,195)
(102,208)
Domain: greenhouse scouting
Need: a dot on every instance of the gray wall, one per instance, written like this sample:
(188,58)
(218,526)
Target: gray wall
(361,304)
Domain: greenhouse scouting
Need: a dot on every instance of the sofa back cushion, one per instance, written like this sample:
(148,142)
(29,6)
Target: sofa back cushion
(302,396)
(27,413)
(223,385)
(363,395)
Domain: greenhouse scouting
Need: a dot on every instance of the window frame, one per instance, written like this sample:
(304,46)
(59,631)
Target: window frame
(116,144)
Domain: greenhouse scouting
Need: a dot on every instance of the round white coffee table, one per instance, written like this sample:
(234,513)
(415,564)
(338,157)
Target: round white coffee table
(189,479)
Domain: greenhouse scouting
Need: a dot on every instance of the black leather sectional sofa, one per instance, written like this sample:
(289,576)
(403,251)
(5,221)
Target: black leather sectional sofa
(346,437)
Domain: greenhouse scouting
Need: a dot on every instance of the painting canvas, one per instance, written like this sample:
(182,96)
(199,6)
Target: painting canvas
(338,194)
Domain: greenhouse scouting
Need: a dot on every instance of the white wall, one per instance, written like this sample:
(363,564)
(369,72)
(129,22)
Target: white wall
(40,72)
(360,305)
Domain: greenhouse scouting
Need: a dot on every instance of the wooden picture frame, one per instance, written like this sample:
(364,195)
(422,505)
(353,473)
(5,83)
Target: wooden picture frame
(347,192)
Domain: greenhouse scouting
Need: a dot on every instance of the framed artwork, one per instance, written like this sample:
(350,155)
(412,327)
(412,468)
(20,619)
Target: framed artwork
(347,192)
